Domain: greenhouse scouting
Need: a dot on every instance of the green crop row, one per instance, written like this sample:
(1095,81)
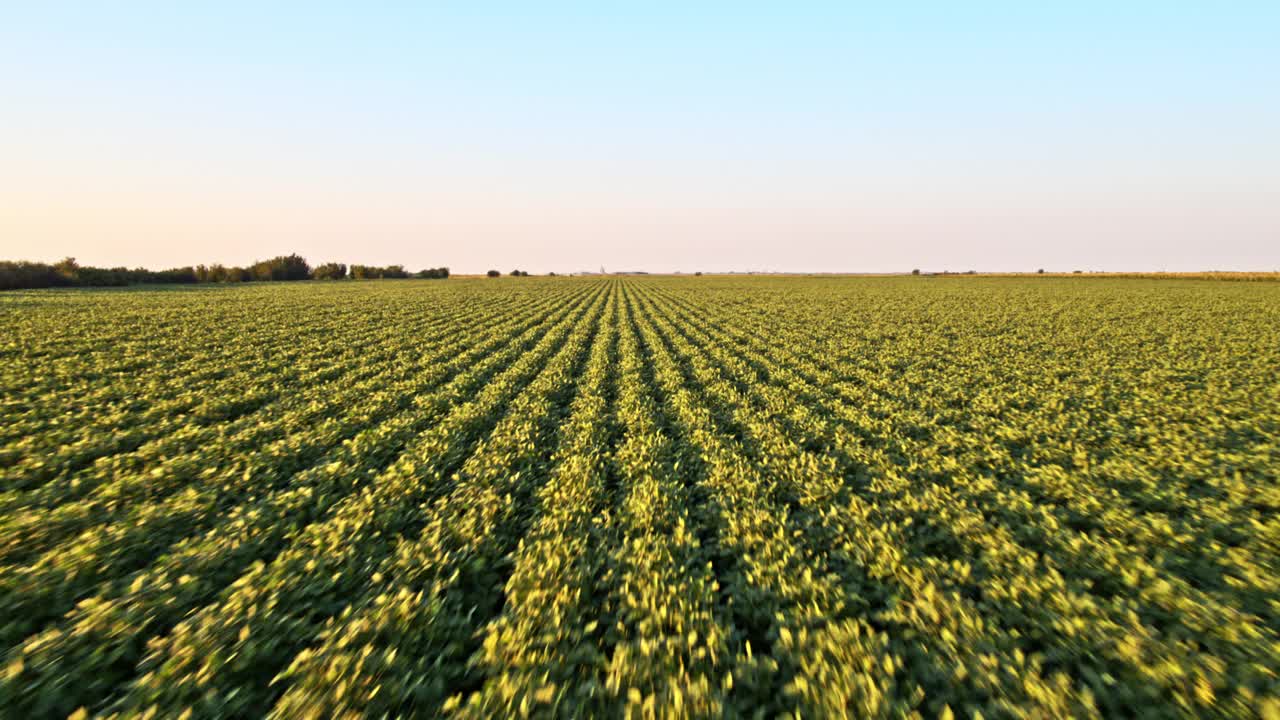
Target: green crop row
(642,497)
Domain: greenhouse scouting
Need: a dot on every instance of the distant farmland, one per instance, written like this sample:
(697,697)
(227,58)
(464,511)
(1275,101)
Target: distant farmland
(880,497)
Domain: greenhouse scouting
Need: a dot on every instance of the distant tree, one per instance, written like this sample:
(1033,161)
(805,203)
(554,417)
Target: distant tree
(1040,271)
(68,272)
(260,270)
(916,271)
(104,277)
(218,273)
(24,275)
(698,274)
(373,272)
(182,275)
(329,271)
(494,273)
(68,268)
(551,274)
(1077,272)
(284,267)
(519,273)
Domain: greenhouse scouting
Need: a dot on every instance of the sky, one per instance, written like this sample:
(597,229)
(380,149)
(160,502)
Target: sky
(808,136)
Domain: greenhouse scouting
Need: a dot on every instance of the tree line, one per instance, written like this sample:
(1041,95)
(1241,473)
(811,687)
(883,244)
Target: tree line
(22,275)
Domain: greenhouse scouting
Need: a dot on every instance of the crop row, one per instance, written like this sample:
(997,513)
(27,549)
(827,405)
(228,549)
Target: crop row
(643,497)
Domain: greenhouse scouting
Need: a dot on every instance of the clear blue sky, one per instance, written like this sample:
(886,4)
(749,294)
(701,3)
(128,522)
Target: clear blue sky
(656,136)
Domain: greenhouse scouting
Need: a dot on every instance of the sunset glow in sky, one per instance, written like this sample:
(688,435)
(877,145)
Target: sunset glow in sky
(734,136)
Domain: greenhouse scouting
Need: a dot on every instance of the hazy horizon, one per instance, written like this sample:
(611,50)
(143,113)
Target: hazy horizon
(993,136)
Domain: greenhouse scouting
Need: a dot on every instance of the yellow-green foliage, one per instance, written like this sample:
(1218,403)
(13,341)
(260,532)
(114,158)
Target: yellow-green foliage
(643,497)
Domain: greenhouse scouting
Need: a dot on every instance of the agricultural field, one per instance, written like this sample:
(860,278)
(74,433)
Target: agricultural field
(718,496)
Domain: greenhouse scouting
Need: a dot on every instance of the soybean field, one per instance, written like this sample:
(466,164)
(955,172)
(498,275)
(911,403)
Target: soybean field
(904,497)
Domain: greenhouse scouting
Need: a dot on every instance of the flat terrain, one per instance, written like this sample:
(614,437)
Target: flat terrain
(875,496)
